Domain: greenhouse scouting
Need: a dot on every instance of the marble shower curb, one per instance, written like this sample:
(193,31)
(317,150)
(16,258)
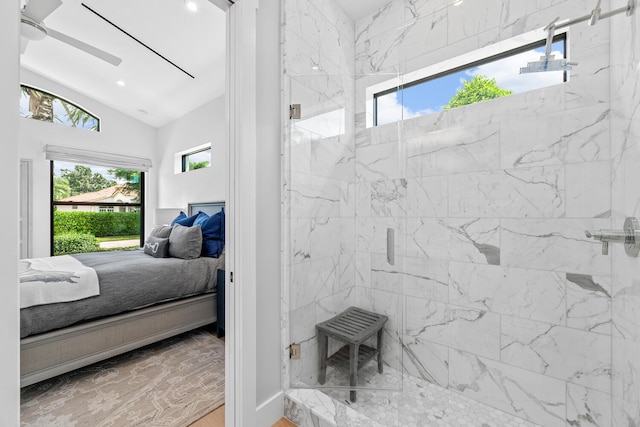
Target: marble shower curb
(313,408)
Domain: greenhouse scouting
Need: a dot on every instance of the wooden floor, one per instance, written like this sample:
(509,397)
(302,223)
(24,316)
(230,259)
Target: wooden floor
(216,419)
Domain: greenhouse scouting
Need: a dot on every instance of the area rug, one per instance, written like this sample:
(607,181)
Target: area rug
(171,383)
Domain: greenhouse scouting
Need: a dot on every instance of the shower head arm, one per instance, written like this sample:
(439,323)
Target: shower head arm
(550,29)
(628,10)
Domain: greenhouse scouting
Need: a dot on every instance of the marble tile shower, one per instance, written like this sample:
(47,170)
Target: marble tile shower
(495,293)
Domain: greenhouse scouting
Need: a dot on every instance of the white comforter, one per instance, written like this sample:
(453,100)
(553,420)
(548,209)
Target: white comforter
(55,279)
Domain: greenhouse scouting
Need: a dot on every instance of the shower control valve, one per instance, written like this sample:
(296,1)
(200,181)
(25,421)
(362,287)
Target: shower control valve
(629,236)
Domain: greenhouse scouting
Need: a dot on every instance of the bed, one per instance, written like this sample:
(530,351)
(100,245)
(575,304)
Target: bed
(142,299)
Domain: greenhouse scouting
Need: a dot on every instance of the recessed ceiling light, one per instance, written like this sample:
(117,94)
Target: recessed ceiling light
(120,82)
(457,2)
(191,5)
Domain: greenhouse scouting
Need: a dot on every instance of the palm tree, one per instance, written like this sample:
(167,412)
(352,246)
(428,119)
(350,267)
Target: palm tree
(78,117)
(40,104)
(61,188)
(41,108)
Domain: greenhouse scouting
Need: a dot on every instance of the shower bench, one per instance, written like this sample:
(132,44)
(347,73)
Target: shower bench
(353,326)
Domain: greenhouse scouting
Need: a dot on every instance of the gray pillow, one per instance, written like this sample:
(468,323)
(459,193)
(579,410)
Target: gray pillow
(157,247)
(161,231)
(185,242)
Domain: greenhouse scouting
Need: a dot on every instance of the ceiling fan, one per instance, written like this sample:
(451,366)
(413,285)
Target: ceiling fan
(32,28)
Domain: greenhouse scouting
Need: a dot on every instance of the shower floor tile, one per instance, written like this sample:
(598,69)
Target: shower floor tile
(415,403)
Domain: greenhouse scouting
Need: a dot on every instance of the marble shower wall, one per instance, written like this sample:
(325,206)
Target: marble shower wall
(504,298)
(495,292)
(625,165)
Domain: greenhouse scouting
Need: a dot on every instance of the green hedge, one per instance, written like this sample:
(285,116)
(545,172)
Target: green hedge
(99,224)
(73,243)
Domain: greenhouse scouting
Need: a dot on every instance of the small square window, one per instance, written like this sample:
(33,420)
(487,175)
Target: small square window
(196,160)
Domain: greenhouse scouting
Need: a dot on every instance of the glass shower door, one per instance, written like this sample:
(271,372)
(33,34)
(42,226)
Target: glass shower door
(344,292)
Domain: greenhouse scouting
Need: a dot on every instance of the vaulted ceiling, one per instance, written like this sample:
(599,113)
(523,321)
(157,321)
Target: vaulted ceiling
(173,58)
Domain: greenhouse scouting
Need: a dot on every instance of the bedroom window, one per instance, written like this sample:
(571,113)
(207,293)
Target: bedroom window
(195,158)
(44,106)
(95,208)
(479,78)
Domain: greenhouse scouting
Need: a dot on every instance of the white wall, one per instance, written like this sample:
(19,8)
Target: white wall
(200,126)
(9,395)
(254,214)
(119,134)
(268,202)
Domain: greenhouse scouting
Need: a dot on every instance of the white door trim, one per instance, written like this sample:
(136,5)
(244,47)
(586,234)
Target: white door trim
(26,208)
(241,352)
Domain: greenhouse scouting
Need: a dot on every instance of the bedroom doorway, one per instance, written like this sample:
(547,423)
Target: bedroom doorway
(157,163)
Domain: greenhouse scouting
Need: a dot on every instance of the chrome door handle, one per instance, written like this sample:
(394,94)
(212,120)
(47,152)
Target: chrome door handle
(629,236)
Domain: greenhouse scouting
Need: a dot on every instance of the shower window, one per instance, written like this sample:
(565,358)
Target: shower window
(487,78)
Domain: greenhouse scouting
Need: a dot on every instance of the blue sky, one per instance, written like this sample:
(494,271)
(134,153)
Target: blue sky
(431,96)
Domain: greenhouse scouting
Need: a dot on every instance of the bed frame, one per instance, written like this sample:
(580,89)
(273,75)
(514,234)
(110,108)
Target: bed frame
(53,353)
(47,355)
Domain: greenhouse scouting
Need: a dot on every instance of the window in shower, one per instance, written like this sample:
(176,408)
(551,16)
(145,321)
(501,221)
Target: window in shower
(482,79)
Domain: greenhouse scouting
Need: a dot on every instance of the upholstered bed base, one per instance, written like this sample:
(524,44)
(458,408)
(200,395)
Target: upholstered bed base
(53,353)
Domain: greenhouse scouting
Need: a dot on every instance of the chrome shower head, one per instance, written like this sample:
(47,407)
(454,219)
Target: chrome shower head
(547,63)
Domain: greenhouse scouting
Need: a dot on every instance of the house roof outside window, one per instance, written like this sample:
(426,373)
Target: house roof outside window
(115,194)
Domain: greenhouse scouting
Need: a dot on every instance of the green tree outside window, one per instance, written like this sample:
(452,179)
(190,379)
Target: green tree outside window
(198,165)
(480,88)
(82,180)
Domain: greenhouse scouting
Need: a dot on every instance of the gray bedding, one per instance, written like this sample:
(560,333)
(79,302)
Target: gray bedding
(128,280)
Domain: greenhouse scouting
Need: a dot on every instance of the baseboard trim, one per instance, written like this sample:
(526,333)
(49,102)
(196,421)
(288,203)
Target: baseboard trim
(272,410)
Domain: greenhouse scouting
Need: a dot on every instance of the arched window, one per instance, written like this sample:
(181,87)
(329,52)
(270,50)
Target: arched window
(40,105)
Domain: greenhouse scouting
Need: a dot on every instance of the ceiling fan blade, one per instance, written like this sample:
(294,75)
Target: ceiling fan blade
(91,50)
(38,10)
(23,44)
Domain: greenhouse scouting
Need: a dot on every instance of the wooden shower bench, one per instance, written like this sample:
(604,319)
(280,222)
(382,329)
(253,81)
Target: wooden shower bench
(353,326)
